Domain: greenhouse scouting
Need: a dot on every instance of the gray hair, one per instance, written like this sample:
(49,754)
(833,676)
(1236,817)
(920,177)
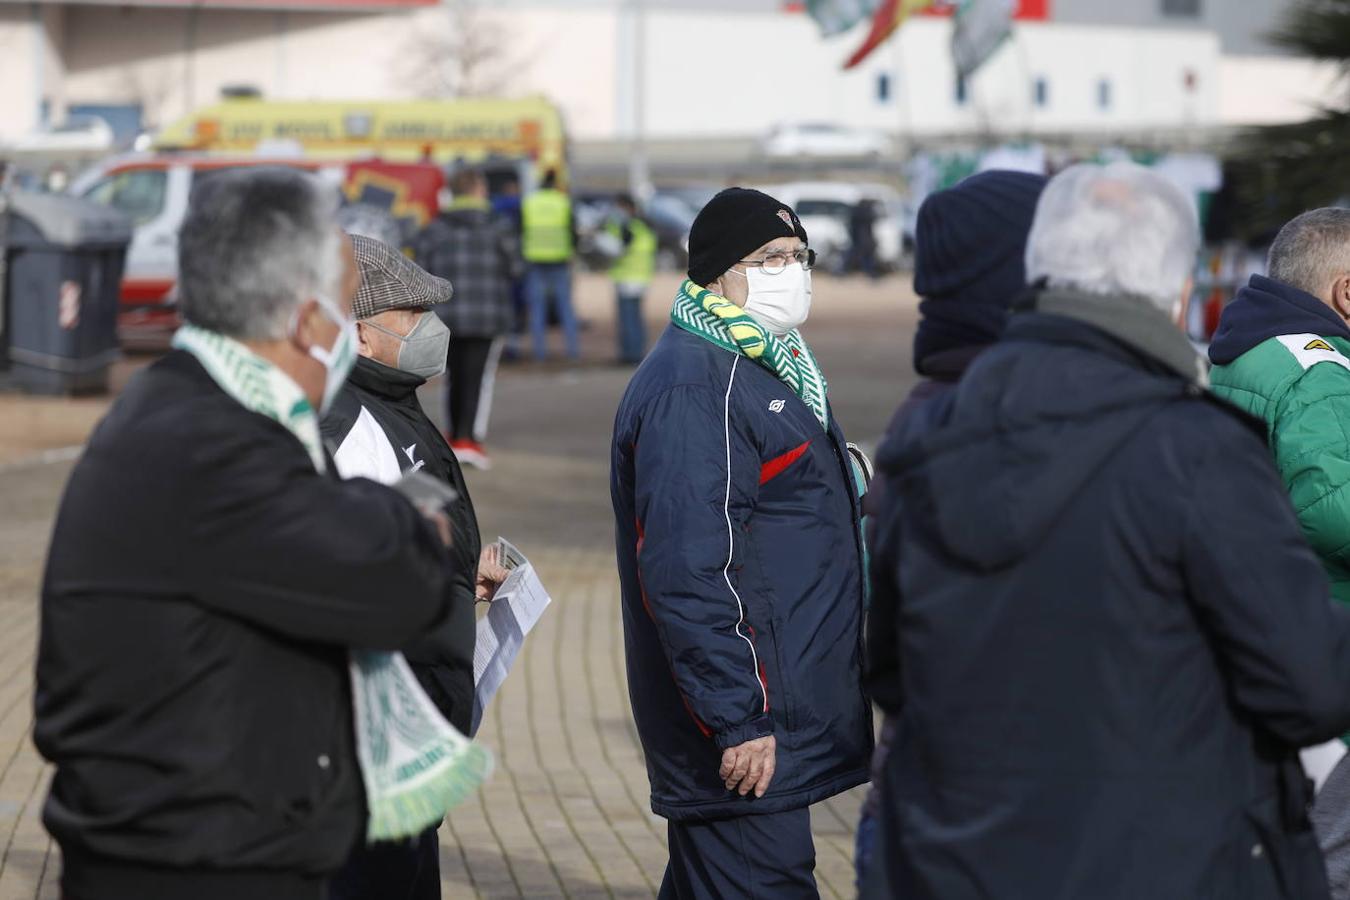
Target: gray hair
(255,244)
(1312,250)
(1118,230)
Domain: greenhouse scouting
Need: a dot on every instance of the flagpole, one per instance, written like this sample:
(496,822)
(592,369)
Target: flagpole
(639,170)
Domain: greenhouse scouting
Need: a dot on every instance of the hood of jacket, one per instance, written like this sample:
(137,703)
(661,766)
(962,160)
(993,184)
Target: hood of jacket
(1266,308)
(988,468)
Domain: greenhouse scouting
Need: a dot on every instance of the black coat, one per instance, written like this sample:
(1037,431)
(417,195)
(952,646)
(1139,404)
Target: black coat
(442,659)
(1111,638)
(192,678)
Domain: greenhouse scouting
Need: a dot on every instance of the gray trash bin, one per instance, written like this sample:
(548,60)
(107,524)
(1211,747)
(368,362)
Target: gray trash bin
(63,282)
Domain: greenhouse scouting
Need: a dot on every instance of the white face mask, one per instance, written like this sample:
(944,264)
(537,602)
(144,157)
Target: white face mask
(778,302)
(423,350)
(337,359)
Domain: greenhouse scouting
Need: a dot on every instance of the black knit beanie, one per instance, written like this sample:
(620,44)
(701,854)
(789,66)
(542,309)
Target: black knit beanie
(736,222)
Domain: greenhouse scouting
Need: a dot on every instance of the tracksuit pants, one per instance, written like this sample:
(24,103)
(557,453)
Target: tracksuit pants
(769,857)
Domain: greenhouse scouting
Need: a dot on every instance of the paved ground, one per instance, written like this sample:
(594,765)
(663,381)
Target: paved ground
(566,814)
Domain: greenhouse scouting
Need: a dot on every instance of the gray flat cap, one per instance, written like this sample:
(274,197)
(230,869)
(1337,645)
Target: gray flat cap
(389,280)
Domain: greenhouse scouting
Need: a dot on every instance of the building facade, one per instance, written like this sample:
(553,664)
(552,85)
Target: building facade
(673,70)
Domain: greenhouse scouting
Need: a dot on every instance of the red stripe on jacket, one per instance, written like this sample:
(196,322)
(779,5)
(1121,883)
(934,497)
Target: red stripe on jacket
(779,464)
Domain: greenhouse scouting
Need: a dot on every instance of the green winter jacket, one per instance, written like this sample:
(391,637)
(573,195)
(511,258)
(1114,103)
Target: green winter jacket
(1298,383)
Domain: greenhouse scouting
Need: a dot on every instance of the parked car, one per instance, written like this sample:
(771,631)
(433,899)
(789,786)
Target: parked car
(79,136)
(668,215)
(822,139)
(825,208)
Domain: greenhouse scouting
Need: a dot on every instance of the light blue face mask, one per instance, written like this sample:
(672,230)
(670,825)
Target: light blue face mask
(337,359)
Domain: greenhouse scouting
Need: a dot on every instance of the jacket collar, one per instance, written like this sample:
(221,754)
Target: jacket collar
(384,381)
(1267,308)
(1131,321)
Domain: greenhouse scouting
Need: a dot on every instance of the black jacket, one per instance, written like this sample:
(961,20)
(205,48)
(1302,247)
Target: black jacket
(192,682)
(1111,635)
(394,436)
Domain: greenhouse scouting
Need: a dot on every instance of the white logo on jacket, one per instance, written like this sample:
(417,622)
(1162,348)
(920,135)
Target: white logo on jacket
(777,406)
(417,463)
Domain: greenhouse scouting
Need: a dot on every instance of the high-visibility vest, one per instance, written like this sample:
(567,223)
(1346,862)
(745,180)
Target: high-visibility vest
(638,262)
(546,224)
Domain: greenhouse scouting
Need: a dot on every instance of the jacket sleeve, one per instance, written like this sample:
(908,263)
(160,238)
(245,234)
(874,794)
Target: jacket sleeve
(1264,598)
(275,543)
(883,636)
(696,482)
(1311,434)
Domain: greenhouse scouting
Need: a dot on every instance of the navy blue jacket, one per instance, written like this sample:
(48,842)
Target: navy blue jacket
(1111,637)
(740,559)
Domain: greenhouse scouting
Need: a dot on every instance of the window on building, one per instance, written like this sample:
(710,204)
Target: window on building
(1104,94)
(883,88)
(1188,8)
(960,92)
(1041,92)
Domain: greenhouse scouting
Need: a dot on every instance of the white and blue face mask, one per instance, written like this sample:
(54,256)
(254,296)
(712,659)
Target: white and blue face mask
(338,359)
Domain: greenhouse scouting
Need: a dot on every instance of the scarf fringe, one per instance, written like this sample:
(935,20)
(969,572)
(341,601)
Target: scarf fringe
(406,812)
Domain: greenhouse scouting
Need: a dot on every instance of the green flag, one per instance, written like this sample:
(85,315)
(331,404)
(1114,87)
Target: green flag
(981,28)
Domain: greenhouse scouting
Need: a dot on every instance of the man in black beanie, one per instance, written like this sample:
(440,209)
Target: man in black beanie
(737,524)
(969,267)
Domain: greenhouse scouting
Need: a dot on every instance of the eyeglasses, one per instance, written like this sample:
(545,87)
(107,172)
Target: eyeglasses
(775,263)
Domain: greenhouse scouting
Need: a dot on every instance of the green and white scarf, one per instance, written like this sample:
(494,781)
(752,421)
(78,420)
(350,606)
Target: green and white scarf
(715,318)
(414,764)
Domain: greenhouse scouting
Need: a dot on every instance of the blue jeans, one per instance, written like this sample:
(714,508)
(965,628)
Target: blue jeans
(542,281)
(632,334)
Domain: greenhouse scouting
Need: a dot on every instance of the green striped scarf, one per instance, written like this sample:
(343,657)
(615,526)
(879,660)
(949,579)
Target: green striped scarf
(714,318)
(414,764)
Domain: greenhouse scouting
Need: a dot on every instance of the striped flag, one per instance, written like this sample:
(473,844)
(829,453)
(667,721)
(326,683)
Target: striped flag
(837,16)
(890,15)
(981,28)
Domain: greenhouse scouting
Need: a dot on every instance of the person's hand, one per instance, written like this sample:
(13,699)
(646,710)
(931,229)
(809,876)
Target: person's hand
(491,574)
(749,767)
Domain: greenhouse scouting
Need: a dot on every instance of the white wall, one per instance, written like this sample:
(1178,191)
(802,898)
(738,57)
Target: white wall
(1263,90)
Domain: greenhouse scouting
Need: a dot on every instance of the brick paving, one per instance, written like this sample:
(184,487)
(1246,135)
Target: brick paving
(566,814)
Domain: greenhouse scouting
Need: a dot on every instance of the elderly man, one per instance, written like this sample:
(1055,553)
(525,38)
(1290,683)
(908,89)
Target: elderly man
(741,565)
(380,431)
(1282,353)
(1111,637)
(209,571)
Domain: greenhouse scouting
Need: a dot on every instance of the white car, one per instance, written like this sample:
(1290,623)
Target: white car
(825,208)
(821,139)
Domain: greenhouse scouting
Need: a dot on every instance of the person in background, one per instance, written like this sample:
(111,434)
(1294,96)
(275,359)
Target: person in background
(477,251)
(548,238)
(631,273)
(506,203)
(969,268)
(862,237)
(209,572)
(379,431)
(737,525)
(1282,354)
(1112,638)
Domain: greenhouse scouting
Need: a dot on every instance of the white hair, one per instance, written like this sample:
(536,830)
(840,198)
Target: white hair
(1119,230)
(255,244)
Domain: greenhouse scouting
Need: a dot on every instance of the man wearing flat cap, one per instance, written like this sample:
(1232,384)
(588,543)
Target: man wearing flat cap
(377,429)
(737,522)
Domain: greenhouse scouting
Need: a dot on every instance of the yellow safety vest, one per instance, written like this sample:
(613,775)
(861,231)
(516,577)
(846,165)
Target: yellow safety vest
(546,220)
(639,259)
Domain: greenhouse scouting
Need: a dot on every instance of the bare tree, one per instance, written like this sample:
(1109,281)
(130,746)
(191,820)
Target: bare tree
(470,55)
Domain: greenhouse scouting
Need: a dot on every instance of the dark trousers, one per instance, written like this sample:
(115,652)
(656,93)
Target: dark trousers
(406,870)
(769,857)
(632,336)
(472,372)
